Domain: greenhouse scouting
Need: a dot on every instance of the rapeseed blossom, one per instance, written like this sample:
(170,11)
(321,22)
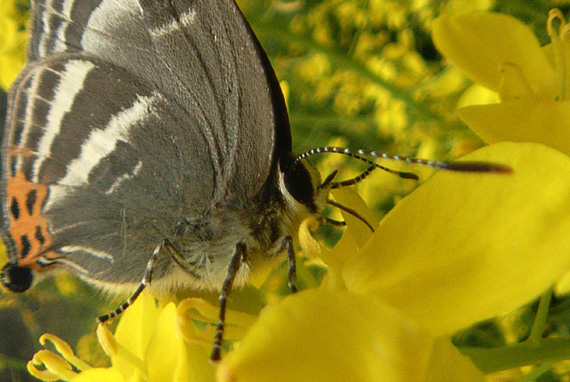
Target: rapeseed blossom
(532,81)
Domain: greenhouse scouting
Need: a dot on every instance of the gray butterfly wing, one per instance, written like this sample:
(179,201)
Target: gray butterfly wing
(201,54)
(135,116)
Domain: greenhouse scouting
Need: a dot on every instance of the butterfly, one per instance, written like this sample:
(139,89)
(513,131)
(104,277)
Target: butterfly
(147,143)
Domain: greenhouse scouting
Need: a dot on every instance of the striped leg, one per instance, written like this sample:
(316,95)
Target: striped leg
(285,243)
(292,260)
(147,276)
(235,263)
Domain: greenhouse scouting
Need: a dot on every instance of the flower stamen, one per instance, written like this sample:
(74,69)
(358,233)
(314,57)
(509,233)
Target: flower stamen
(185,323)
(55,367)
(65,350)
(558,39)
(107,340)
(200,310)
(310,247)
(114,349)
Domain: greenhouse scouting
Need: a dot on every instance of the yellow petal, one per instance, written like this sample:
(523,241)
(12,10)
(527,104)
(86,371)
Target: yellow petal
(448,364)
(355,236)
(135,328)
(10,65)
(335,260)
(482,43)
(478,95)
(563,285)
(8,35)
(3,254)
(133,334)
(349,198)
(466,247)
(170,358)
(320,335)
(545,122)
(166,353)
(99,375)
(107,340)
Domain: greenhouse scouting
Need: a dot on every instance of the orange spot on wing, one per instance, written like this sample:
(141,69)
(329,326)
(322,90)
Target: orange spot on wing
(27,224)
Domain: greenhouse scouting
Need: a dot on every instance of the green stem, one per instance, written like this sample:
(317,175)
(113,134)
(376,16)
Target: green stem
(343,61)
(549,350)
(540,318)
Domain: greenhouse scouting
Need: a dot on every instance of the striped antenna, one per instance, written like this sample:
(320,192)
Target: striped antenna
(440,165)
(368,171)
(353,181)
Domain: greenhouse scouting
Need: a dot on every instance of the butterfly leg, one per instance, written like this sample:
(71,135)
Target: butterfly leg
(186,266)
(285,243)
(292,261)
(147,276)
(235,262)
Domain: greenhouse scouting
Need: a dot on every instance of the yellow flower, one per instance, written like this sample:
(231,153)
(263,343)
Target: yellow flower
(148,345)
(458,250)
(501,53)
(324,335)
(12,42)
(533,82)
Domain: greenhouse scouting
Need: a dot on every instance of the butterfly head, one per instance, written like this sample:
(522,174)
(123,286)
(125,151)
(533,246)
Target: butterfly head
(302,181)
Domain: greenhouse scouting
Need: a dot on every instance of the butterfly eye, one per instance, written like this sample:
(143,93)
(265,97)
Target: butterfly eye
(301,183)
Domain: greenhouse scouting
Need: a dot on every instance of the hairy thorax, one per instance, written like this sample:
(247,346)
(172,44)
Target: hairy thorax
(202,247)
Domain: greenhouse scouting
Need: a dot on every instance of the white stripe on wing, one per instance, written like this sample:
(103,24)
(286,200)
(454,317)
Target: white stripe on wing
(101,142)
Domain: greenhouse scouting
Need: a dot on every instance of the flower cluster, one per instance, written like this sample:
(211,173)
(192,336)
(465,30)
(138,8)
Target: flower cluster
(502,54)
(531,81)
(12,41)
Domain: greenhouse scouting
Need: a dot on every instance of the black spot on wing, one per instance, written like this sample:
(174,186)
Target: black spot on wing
(26,246)
(15,208)
(31,201)
(39,235)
